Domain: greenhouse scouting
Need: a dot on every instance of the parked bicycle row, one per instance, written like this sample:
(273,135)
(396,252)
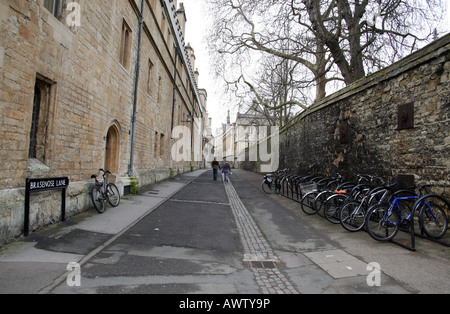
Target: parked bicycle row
(371,203)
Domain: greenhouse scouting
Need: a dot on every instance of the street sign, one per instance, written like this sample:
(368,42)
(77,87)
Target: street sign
(45,184)
(37,185)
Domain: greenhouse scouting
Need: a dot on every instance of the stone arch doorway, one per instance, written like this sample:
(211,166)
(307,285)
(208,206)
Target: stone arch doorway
(112,150)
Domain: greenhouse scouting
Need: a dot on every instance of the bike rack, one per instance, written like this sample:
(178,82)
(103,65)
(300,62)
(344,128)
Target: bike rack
(286,192)
(302,182)
(412,245)
(422,234)
(297,185)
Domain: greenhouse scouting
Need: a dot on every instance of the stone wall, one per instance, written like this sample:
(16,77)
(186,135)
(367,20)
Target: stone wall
(356,129)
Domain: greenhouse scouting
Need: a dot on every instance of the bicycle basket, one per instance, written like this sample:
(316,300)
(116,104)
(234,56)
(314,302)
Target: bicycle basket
(308,187)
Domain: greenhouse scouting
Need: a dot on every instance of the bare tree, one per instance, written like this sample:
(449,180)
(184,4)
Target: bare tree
(362,34)
(328,39)
(269,27)
(280,90)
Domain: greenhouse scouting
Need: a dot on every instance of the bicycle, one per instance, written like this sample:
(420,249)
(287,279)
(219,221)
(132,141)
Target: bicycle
(326,189)
(324,200)
(353,214)
(272,182)
(309,191)
(315,193)
(345,193)
(333,205)
(383,221)
(103,192)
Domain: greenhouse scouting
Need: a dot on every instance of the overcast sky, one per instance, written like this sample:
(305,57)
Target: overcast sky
(198,22)
(196,26)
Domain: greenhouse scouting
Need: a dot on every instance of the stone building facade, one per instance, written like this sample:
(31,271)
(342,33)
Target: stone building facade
(86,85)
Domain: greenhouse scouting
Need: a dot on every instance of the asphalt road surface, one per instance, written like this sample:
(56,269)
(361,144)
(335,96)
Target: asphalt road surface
(193,235)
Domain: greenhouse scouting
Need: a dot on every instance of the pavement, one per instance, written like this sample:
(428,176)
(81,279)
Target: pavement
(193,235)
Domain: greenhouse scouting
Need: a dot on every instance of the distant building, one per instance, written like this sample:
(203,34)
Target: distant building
(233,139)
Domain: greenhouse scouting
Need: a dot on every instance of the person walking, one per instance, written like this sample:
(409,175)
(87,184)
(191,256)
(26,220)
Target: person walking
(226,169)
(215,165)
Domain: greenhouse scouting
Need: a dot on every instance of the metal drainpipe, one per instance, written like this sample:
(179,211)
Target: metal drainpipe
(192,131)
(173,101)
(174,90)
(136,86)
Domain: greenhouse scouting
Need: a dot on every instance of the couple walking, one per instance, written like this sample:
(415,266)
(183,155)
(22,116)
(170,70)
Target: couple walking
(226,169)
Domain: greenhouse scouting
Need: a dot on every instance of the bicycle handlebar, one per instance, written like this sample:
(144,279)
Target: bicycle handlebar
(105,171)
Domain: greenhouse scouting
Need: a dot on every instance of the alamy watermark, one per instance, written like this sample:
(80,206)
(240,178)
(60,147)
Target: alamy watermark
(74,14)
(237,144)
(374,278)
(374,15)
(74,17)
(74,276)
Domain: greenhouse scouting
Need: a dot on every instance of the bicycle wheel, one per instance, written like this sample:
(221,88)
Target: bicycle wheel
(113,194)
(268,188)
(352,216)
(382,224)
(332,207)
(98,199)
(320,201)
(307,203)
(432,217)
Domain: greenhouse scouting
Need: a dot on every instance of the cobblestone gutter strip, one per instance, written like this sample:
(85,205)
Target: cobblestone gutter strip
(272,281)
(257,252)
